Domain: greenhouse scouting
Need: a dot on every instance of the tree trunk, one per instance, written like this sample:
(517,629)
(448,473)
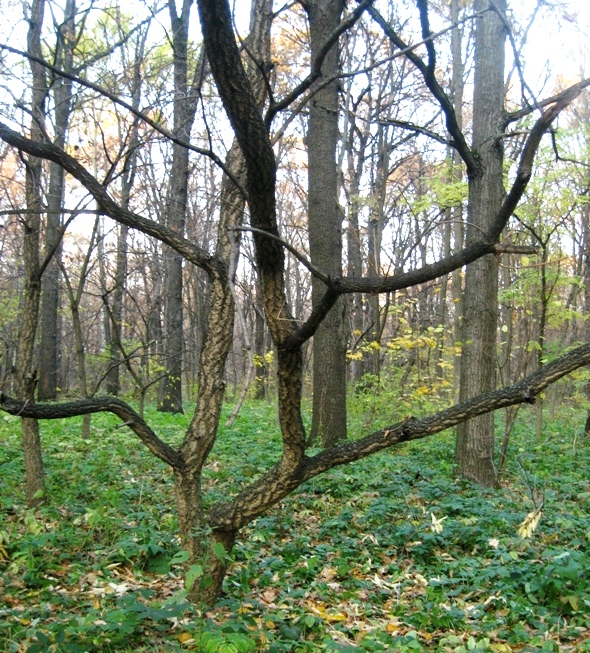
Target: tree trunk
(353,237)
(475,438)
(586,278)
(62,98)
(198,538)
(375,236)
(185,106)
(75,298)
(325,232)
(26,376)
(113,383)
(457,211)
(261,366)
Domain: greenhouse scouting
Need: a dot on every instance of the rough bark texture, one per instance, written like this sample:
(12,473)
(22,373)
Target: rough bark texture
(25,373)
(325,230)
(475,438)
(62,98)
(195,531)
(185,104)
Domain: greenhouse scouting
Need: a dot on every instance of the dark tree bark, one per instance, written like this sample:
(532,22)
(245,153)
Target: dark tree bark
(325,229)
(475,438)
(185,106)
(25,373)
(62,99)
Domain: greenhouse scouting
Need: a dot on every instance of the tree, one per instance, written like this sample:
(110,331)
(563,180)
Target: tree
(186,93)
(26,376)
(325,227)
(475,438)
(209,531)
(62,99)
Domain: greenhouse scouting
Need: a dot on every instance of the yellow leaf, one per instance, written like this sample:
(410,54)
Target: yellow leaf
(338,616)
(529,524)
(186,639)
(437,526)
(96,603)
(328,573)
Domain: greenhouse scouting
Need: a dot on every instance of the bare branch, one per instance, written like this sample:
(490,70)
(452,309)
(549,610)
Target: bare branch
(521,113)
(458,139)
(417,129)
(322,276)
(113,405)
(487,244)
(316,64)
(139,114)
(51,152)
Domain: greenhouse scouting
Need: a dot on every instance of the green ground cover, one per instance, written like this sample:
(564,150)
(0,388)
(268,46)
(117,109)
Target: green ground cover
(390,554)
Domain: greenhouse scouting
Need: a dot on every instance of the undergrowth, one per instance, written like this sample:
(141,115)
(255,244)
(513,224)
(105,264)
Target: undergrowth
(393,553)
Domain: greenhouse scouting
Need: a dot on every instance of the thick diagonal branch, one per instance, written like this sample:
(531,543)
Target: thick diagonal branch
(273,487)
(51,152)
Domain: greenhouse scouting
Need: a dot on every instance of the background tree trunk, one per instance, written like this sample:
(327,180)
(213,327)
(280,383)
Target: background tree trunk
(475,438)
(185,105)
(113,384)
(62,99)
(325,231)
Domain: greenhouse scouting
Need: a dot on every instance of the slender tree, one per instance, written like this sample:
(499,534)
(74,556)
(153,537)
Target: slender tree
(475,438)
(25,372)
(186,93)
(61,93)
(325,226)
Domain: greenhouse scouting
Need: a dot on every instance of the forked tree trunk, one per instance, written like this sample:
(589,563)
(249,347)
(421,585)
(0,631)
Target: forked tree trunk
(201,542)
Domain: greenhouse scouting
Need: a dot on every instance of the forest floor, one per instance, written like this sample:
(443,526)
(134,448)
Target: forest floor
(393,553)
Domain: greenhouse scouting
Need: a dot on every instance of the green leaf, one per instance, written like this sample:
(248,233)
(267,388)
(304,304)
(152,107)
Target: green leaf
(194,572)
(180,557)
(228,648)
(219,551)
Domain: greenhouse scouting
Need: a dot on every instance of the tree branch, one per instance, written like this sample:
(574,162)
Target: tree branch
(410,126)
(521,113)
(113,405)
(458,139)
(272,487)
(527,158)
(487,244)
(51,152)
(316,64)
(139,114)
(322,276)
(525,391)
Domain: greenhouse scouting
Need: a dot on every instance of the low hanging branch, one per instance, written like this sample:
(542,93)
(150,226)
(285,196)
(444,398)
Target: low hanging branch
(274,486)
(92,405)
